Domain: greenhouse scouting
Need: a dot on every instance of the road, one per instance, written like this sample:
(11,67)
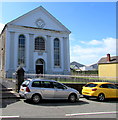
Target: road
(59,109)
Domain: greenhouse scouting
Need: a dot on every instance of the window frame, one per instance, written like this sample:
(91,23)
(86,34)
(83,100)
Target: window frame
(21,50)
(39,45)
(57,61)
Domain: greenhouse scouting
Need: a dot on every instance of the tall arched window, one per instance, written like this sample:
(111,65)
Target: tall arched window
(56,52)
(21,50)
(39,43)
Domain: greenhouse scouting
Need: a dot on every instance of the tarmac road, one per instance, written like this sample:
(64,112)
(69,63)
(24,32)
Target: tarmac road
(20,108)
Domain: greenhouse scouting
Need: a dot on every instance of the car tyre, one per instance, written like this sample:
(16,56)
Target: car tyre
(36,98)
(101,97)
(72,98)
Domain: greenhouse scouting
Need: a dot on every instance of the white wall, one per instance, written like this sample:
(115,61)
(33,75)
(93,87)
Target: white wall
(35,33)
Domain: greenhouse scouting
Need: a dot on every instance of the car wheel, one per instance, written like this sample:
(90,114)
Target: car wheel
(72,98)
(36,98)
(101,97)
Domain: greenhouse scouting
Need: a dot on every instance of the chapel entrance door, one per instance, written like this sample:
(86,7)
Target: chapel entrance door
(39,69)
(40,66)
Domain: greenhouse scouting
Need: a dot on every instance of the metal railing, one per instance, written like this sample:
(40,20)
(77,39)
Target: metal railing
(72,78)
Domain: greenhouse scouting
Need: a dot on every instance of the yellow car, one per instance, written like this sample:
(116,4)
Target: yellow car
(100,90)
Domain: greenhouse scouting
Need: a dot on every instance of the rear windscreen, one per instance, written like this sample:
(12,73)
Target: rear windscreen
(91,85)
(26,82)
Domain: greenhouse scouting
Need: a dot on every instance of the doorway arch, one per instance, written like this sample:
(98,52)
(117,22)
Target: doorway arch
(40,65)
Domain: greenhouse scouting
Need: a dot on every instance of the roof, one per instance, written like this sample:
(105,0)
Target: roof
(100,83)
(40,8)
(36,79)
(113,59)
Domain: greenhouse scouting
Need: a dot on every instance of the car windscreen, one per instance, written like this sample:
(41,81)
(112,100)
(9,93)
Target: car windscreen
(91,85)
(25,83)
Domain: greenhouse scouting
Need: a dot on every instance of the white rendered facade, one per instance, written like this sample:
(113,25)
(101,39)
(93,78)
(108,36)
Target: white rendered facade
(34,24)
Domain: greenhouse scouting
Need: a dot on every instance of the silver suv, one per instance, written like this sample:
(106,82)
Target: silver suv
(38,89)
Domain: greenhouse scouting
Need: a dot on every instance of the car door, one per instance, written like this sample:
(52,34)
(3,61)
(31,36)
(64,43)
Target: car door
(116,91)
(47,90)
(61,91)
(112,91)
(109,90)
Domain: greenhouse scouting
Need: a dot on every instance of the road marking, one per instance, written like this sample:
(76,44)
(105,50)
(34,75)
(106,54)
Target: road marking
(9,116)
(93,113)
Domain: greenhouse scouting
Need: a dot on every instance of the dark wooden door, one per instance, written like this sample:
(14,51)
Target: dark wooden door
(39,69)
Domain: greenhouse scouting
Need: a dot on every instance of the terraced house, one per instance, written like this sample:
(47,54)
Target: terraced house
(108,67)
(38,42)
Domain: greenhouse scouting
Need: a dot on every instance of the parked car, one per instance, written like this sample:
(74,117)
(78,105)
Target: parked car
(100,90)
(38,89)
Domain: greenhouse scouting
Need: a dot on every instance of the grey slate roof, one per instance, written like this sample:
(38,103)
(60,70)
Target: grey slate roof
(113,59)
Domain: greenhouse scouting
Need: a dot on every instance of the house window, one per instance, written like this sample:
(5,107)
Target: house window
(39,43)
(56,52)
(21,50)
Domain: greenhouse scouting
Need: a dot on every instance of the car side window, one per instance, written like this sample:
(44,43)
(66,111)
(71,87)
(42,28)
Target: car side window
(36,84)
(108,86)
(58,85)
(47,84)
(104,86)
(112,86)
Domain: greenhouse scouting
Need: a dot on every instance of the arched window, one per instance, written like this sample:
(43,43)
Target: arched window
(21,50)
(39,43)
(39,62)
(56,52)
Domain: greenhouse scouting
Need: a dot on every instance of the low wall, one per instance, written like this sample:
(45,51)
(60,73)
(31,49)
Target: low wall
(77,86)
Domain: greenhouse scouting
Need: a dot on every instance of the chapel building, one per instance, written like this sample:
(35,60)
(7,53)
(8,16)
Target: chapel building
(38,42)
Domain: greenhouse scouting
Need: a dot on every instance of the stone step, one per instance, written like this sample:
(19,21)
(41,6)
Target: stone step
(9,94)
(6,89)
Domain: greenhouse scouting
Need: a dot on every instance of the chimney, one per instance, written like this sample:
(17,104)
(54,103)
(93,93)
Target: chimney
(108,57)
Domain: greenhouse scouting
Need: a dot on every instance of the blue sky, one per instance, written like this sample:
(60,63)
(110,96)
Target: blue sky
(93,25)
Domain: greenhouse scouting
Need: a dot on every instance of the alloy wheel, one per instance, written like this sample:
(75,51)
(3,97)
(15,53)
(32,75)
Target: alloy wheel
(36,98)
(72,98)
(101,97)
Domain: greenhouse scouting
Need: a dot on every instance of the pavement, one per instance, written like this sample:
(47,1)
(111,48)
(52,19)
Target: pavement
(6,93)
(7,89)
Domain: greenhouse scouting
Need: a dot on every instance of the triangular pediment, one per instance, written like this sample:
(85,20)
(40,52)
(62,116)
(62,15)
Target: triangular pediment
(39,18)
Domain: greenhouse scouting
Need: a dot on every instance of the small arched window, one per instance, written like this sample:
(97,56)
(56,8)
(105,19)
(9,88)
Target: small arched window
(39,43)
(21,50)
(39,62)
(56,52)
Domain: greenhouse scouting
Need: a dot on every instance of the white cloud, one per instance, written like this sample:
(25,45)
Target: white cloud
(92,42)
(1,27)
(110,45)
(95,42)
(91,53)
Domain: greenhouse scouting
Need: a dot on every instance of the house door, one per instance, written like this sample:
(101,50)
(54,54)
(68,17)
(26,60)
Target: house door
(39,69)
(40,66)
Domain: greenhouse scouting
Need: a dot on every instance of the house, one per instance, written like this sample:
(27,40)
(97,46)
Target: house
(75,65)
(38,42)
(89,67)
(107,67)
